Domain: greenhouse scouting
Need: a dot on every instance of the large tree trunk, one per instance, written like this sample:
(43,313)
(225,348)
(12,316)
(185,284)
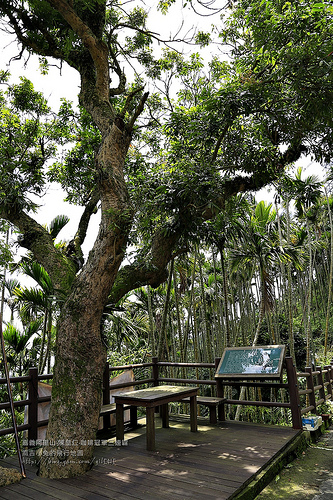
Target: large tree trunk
(80,353)
(76,391)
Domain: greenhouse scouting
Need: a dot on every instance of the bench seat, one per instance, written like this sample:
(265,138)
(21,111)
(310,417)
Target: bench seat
(111,408)
(212,403)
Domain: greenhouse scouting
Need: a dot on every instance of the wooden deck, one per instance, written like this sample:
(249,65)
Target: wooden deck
(214,463)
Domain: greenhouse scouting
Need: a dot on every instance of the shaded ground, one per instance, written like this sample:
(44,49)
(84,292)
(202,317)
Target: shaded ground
(309,477)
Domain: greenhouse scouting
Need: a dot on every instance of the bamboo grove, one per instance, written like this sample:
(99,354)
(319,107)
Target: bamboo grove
(262,274)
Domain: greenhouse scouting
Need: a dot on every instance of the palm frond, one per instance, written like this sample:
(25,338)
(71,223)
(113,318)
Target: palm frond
(39,274)
(57,224)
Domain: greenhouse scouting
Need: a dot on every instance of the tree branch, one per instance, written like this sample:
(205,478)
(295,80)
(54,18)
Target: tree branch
(138,111)
(38,240)
(27,42)
(219,142)
(97,48)
(74,250)
(152,269)
(89,210)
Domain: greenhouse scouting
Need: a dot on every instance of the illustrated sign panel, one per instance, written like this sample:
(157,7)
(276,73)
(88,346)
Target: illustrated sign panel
(252,362)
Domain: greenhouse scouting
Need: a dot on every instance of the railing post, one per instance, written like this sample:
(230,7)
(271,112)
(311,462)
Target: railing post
(295,404)
(33,406)
(106,394)
(106,385)
(219,392)
(155,377)
(219,387)
(155,370)
(328,379)
(310,385)
(321,382)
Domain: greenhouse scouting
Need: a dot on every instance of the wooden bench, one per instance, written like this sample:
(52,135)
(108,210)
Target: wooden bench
(212,403)
(111,408)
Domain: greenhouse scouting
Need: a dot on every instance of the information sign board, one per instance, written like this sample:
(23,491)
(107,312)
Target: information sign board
(252,362)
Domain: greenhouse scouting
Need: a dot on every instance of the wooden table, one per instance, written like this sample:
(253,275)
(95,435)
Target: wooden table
(150,399)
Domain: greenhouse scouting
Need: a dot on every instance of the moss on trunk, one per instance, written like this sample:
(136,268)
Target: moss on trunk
(76,395)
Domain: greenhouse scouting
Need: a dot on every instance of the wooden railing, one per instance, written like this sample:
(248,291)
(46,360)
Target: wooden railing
(31,403)
(317,389)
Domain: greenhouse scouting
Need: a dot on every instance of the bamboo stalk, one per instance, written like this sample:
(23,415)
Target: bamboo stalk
(10,394)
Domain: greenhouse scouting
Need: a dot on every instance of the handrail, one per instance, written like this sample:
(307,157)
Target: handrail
(17,404)
(268,404)
(46,376)
(186,381)
(303,392)
(132,382)
(186,365)
(15,380)
(318,380)
(10,430)
(307,410)
(130,367)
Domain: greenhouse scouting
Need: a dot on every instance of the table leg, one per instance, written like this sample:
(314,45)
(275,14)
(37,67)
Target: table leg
(193,413)
(150,428)
(134,416)
(212,414)
(165,415)
(119,422)
(221,412)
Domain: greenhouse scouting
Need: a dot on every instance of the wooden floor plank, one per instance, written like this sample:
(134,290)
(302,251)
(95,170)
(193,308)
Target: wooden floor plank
(189,475)
(188,466)
(210,464)
(97,490)
(80,492)
(182,477)
(178,483)
(36,491)
(143,486)
(6,494)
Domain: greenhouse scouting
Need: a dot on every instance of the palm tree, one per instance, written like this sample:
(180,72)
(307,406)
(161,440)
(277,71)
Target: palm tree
(126,325)
(260,249)
(222,233)
(151,320)
(163,338)
(307,194)
(10,286)
(38,301)
(284,194)
(18,354)
(41,300)
(329,299)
